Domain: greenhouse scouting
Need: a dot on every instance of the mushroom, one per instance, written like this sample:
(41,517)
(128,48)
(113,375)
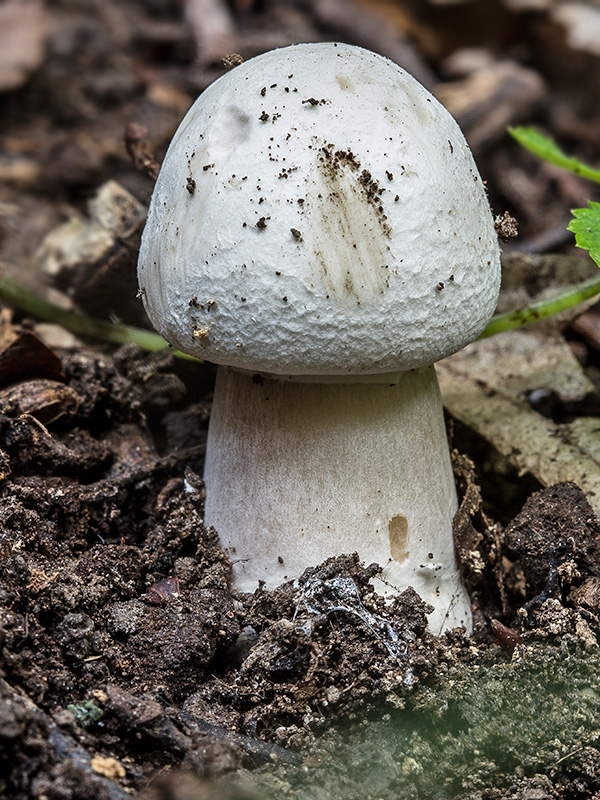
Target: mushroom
(320,231)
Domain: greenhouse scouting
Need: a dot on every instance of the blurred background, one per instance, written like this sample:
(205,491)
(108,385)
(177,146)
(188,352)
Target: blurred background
(91,91)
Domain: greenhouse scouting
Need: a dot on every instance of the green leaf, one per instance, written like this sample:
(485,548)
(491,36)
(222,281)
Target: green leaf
(586,227)
(549,151)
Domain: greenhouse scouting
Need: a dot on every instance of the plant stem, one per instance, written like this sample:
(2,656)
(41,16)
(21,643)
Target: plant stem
(545,308)
(30,303)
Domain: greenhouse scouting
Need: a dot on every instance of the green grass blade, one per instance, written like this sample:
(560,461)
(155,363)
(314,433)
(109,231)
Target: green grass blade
(81,325)
(549,151)
(545,308)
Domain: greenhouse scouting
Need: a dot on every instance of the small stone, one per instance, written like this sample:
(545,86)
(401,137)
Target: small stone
(108,767)
(333,694)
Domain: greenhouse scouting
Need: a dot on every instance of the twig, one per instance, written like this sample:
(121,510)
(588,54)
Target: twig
(136,144)
(256,750)
(568,755)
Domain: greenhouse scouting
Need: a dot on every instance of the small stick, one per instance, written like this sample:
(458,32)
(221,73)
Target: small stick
(136,144)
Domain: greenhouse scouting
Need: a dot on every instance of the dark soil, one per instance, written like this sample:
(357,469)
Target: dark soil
(125,655)
(126,664)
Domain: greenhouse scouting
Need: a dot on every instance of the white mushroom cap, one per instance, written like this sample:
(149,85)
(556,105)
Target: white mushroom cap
(319,213)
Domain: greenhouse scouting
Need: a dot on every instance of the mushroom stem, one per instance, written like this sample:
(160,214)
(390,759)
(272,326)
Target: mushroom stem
(298,472)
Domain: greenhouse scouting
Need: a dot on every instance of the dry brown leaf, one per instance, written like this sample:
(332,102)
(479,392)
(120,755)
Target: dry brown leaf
(24,25)
(581,22)
(489,99)
(23,355)
(383,26)
(95,257)
(486,386)
(532,443)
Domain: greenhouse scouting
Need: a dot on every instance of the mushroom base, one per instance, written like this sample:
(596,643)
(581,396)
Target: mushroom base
(296,473)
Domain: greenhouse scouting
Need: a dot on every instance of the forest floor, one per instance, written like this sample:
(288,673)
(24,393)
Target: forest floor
(127,666)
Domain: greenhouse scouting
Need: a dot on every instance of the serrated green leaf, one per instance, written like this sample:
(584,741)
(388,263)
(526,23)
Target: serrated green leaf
(547,149)
(586,227)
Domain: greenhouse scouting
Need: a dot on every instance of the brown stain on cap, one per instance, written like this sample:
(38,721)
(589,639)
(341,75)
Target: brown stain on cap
(350,239)
(344,83)
(398,533)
